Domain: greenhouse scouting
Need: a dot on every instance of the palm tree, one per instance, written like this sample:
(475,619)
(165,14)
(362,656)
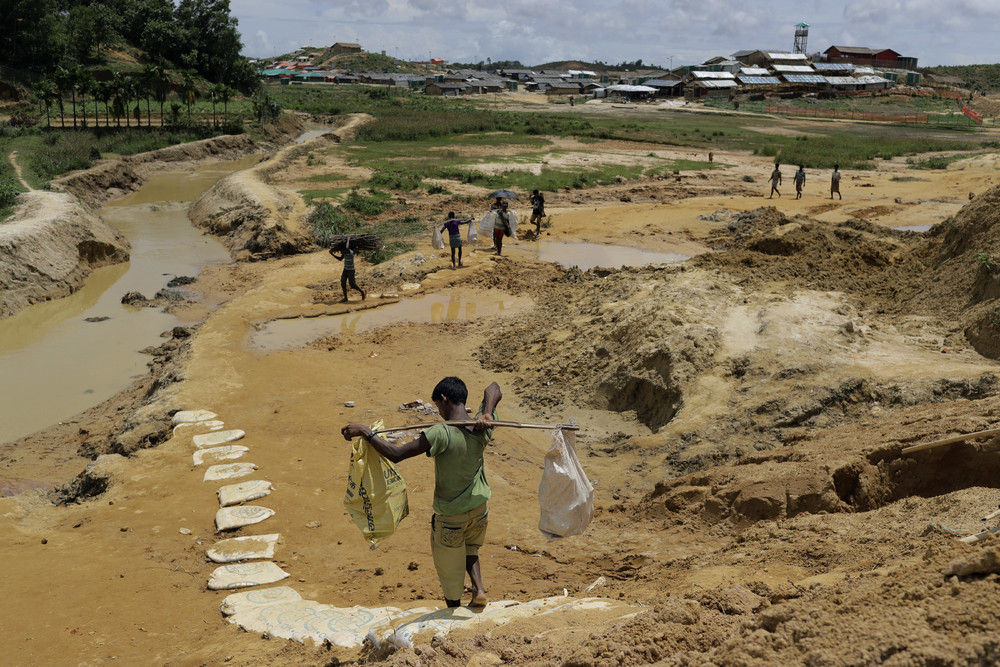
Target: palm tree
(119,102)
(161,88)
(148,79)
(189,88)
(225,93)
(216,93)
(85,83)
(62,81)
(104,91)
(45,90)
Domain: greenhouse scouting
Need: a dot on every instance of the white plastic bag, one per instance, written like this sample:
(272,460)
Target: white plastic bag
(512,222)
(486,224)
(473,237)
(436,241)
(565,495)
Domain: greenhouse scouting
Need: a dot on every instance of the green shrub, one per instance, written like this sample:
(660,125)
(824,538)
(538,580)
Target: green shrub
(8,191)
(374,205)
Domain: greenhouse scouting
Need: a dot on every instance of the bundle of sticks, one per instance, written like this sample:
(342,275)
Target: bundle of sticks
(359,242)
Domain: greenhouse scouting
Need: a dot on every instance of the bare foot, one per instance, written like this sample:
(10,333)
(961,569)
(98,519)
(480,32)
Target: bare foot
(364,294)
(344,300)
(479,600)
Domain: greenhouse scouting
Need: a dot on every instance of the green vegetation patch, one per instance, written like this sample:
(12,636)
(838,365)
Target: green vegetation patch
(324,178)
(937,161)
(47,154)
(309,196)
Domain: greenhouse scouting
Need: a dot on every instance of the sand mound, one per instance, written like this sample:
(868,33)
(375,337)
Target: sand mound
(49,246)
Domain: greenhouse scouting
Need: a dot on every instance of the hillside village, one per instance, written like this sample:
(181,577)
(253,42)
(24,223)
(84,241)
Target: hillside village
(751,73)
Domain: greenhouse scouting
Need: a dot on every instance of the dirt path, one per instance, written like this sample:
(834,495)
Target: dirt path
(17,170)
(743,419)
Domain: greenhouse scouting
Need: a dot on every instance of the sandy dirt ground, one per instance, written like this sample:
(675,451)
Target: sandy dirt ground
(742,418)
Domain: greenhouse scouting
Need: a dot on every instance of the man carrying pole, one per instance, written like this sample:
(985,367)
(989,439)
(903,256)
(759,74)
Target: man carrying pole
(461,492)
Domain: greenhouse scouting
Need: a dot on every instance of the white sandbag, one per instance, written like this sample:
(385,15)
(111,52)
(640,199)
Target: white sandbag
(219,453)
(229,518)
(207,425)
(512,221)
(473,236)
(243,548)
(217,438)
(241,575)
(436,241)
(228,471)
(486,224)
(245,600)
(565,495)
(244,492)
(191,416)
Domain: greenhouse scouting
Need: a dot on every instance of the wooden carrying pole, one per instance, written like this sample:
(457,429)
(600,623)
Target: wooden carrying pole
(470,422)
(948,441)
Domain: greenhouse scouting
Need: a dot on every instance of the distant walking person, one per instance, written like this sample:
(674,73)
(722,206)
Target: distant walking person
(347,257)
(835,182)
(775,180)
(537,211)
(501,227)
(455,236)
(800,181)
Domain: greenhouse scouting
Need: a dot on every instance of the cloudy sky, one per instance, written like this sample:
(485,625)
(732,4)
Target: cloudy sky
(937,32)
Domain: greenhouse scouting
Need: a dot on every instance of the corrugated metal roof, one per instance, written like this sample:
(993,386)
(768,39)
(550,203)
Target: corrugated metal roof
(804,78)
(834,67)
(662,83)
(864,70)
(716,83)
(759,80)
(754,71)
(841,80)
(794,69)
(871,79)
(786,56)
(713,75)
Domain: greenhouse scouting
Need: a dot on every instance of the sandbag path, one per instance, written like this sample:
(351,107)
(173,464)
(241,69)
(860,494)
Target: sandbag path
(233,513)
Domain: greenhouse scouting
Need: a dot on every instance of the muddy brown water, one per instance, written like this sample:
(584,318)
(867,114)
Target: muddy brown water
(587,256)
(450,306)
(65,364)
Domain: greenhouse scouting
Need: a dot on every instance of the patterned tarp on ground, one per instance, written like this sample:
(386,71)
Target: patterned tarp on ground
(281,612)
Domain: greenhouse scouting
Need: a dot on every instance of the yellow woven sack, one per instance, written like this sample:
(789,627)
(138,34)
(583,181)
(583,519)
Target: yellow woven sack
(376,494)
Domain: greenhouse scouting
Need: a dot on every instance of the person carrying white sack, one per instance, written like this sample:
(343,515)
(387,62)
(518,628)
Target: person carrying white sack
(454,236)
(461,492)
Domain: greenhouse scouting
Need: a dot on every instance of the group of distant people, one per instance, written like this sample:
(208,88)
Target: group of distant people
(501,225)
(800,181)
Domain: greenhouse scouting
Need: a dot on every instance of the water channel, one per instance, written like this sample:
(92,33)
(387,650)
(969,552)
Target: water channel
(64,364)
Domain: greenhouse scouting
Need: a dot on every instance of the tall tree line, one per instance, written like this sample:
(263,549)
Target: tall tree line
(42,35)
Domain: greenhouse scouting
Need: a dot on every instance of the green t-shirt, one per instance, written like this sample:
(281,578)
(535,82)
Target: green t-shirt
(459,476)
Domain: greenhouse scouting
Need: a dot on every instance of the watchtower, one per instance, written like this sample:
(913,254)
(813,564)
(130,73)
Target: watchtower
(801,37)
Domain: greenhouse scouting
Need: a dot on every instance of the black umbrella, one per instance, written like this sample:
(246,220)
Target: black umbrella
(502,194)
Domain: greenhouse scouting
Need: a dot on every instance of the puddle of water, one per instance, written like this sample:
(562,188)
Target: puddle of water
(64,364)
(591,255)
(914,228)
(432,308)
(313,132)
